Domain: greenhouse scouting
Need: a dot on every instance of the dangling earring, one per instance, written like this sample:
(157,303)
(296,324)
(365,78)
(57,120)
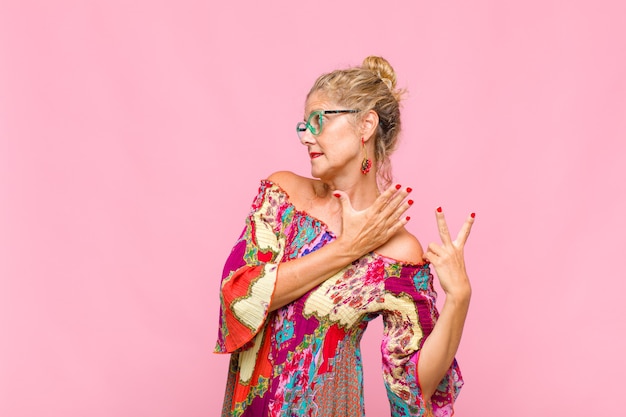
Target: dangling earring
(366,165)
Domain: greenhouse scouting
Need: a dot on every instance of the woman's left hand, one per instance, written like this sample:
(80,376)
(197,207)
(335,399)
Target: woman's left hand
(441,345)
(448,259)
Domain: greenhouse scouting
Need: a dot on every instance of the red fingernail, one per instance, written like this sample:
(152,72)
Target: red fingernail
(337,195)
(409,189)
(408,218)
(398,186)
(410,202)
(439,209)
(473,215)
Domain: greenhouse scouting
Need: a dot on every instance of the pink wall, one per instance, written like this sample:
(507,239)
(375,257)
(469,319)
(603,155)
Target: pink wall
(133,135)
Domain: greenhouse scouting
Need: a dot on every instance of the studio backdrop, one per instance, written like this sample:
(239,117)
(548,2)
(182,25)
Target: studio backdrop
(133,136)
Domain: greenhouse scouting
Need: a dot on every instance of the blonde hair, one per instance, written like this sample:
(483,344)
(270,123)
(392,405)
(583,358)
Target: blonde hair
(372,86)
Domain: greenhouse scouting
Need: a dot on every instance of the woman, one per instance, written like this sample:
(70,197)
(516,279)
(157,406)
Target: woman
(319,258)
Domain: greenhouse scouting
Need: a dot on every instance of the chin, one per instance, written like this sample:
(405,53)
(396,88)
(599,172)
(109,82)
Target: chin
(315,174)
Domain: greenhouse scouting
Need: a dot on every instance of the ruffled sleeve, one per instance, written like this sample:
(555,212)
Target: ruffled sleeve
(249,275)
(409,317)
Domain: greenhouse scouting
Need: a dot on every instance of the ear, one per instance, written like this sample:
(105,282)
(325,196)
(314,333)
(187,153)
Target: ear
(369,124)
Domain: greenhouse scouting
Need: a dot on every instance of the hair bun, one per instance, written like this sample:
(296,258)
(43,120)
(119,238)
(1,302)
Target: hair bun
(381,67)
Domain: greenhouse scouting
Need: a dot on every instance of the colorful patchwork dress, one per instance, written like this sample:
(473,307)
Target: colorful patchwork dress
(304,359)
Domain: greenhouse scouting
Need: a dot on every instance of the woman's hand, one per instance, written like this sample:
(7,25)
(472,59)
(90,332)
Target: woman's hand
(365,230)
(448,259)
(441,345)
(362,231)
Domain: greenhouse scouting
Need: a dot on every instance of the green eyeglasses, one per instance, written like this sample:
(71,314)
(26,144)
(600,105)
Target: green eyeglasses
(316,120)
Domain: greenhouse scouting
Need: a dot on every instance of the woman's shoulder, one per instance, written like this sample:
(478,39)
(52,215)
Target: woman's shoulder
(292,184)
(404,247)
(288,179)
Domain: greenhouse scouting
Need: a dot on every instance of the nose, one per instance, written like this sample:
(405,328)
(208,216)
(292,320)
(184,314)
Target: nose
(307,138)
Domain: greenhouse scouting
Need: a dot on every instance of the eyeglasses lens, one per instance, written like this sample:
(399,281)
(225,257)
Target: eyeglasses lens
(314,124)
(300,129)
(315,121)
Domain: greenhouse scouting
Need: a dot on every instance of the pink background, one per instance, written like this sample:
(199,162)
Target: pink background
(133,135)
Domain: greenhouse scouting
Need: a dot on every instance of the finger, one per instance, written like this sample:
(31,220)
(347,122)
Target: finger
(393,205)
(344,200)
(435,249)
(385,197)
(399,212)
(426,257)
(444,233)
(465,230)
(430,256)
(398,224)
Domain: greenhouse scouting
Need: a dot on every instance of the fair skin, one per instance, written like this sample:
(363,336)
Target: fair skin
(365,220)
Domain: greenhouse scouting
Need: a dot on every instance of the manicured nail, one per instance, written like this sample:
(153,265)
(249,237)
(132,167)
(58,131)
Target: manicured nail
(473,215)
(408,218)
(398,186)
(337,195)
(439,209)
(409,189)
(411,203)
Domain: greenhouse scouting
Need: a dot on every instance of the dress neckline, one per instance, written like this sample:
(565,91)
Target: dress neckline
(332,234)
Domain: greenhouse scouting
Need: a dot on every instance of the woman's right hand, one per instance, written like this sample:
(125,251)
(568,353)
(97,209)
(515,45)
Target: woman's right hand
(362,232)
(365,230)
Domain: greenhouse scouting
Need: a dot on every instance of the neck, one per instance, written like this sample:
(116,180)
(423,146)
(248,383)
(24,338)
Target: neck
(362,190)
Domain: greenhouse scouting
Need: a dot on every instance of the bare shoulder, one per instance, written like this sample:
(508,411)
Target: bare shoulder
(293,184)
(404,247)
(282,177)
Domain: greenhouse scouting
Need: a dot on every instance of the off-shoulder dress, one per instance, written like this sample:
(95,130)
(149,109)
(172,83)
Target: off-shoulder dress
(304,359)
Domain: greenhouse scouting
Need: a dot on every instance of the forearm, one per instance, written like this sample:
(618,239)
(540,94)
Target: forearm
(298,276)
(361,232)
(441,346)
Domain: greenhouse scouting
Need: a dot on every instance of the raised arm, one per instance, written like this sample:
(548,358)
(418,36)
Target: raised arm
(440,347)
(362,232)
(257,281)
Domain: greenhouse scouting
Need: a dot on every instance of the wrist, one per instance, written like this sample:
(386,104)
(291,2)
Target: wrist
(345,250)
(460,297)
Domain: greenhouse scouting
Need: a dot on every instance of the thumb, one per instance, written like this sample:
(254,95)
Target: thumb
(343,199)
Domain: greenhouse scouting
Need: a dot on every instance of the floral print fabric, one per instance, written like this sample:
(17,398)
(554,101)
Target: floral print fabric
(304,359)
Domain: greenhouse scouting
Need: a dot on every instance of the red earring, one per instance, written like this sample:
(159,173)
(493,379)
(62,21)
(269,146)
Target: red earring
(366,165)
